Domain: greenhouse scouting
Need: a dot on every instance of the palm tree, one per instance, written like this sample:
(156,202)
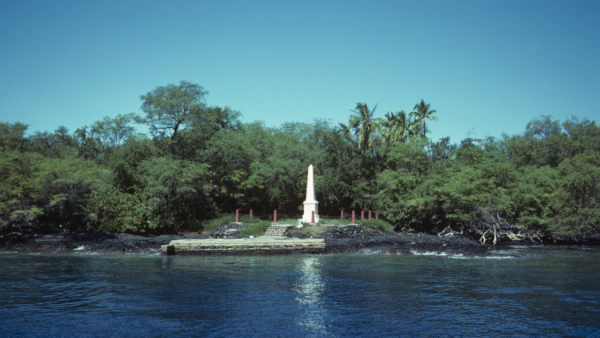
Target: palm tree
(396,127)
(421,113)
(367,128)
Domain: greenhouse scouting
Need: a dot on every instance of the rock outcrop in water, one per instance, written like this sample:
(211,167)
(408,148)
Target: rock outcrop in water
(351,238)
(102,242)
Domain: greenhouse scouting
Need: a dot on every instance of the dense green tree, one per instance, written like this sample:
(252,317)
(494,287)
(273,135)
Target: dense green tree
(169,108)
(12,136)
(201,161)
(102,137)
(59,144)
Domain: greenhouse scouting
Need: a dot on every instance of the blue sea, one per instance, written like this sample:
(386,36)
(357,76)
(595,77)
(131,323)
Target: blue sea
(518,291)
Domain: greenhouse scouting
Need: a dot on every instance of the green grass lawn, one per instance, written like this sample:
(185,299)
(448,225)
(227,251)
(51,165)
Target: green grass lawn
(335,221)
(292,221)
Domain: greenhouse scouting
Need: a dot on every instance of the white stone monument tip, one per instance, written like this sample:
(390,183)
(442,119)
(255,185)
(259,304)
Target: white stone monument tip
(310,205)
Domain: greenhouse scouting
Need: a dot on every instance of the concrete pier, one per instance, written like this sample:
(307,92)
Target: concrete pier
(260,245)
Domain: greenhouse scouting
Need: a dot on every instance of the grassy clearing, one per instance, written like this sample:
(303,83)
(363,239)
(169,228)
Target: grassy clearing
(210,225)
(335,221)
(255,229)
(312,230)
(377,225)
(292,221)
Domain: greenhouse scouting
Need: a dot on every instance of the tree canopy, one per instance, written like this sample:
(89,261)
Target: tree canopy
(171,107)
(201,161)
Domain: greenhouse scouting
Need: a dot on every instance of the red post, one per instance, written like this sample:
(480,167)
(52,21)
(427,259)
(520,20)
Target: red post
(362,215)
(237,215)
(376,216)
(369,214)
(250,213)
(342,216)
(353,218)
(275,216)
(312,217)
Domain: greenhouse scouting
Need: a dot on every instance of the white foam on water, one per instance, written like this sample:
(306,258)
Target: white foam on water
(79,248)
(428,253)
(439,254)
(8,252)
(370,252)
(154,252)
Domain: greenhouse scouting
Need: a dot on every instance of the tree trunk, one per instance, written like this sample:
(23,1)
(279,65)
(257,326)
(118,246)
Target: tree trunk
(375,166)
(428,149)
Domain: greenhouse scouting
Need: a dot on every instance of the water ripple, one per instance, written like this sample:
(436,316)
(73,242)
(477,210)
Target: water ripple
(519,291)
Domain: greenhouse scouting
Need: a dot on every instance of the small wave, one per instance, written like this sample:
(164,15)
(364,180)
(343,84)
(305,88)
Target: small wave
(516,246)
(8,252)
(79,248)
(88,253)
(480,257)
(499,257)
(503,252)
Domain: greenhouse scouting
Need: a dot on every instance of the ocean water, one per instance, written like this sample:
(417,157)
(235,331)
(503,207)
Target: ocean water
(518,291)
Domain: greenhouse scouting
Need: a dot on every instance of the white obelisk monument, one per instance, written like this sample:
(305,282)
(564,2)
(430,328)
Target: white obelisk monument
(310,204)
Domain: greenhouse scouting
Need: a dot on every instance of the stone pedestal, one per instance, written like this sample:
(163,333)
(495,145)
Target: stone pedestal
(309,207)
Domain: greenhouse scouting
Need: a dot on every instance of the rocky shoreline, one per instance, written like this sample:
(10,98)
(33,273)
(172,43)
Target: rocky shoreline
(338,239)
(349,239)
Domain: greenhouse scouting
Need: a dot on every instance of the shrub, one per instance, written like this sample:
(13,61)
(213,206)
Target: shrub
(210,225)
(223,219)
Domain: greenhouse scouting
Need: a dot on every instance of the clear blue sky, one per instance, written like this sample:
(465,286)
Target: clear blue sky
(485,66)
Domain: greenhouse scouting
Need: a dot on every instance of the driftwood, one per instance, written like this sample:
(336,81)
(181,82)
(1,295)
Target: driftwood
(448,232)
(495,229)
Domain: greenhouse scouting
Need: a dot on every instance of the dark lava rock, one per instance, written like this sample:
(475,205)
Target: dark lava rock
(353,238)
(297,234)
(164,239)
(227,230)
(103,242)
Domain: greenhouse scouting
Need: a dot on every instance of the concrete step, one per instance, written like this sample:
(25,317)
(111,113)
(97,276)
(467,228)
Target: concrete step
(277,230)
(263,244)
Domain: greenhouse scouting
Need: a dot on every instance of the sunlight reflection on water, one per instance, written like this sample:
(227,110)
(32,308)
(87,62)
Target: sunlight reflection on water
(310,287)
